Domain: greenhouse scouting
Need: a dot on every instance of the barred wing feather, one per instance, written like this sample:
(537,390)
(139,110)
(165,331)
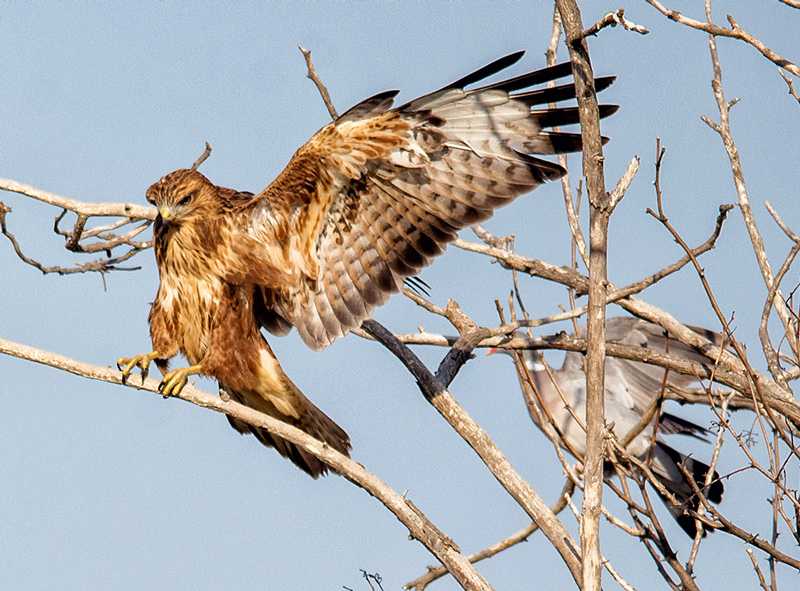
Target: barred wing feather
(373,197)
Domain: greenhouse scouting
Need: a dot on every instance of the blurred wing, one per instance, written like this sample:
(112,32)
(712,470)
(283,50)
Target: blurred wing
(372,198)
(641,381)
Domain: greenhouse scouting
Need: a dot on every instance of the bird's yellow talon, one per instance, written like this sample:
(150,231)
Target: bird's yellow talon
(126,365)
(174,381)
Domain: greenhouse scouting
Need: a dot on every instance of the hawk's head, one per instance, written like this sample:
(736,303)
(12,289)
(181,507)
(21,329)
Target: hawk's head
(184,195)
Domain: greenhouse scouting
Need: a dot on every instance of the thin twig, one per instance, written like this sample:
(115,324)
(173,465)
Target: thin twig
(790,84)
(761,580)
(612,19)
(723,128)
(314,77)
(769,303)
(206,153)
(735,32)
(100,265)
(436,572)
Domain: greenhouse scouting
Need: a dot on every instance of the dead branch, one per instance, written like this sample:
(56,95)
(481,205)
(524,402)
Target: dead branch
(792,330)
(100,265)
(735,32)
(790,84)
(747,537)
(601,206)
(419,526)
(735,374)
(578,240)
(612,19)
(763,331)
(203,157)
(314,77)
(579,282)
(436,572)
(435,391)
(723,128)
(761,580)
(103,239)
(126,210)
(606,563)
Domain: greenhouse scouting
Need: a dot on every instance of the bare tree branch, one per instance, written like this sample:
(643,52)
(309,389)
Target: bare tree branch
(790,84)
(203,157)
(100,265)
(735,32)
(724,130)
(419,526)
(434,390)
(436,572)
(612,19)
(763,331)
(314,77)
(735,371)
(127,210)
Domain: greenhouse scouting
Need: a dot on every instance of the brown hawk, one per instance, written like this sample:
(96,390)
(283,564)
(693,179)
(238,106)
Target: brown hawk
(370,200)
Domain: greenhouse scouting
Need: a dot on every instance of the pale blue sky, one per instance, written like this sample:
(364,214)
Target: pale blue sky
(105,487)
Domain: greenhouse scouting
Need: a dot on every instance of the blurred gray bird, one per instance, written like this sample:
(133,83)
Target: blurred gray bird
(630,389)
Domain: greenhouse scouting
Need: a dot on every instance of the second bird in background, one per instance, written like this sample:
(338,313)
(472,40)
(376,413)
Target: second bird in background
(630,388)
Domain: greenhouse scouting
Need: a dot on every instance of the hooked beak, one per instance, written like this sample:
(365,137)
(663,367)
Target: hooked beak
(166,213)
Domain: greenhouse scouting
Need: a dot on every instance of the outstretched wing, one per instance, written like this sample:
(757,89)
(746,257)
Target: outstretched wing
(373,197)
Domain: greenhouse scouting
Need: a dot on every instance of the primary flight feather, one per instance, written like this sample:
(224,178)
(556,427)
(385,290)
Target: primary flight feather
(368,201)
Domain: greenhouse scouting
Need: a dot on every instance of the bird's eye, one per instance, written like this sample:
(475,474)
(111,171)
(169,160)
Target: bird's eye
(186,200)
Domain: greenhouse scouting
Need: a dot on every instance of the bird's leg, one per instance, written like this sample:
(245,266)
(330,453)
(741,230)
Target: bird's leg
(174,381)
(126,365)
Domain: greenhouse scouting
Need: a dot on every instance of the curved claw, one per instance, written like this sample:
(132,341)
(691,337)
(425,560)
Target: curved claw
(174,381)
(126,365)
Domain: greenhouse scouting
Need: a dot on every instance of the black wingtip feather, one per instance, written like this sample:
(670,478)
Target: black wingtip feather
(563,142)
(531,78)
(568,115)
(560,93)
(487,70)
(542,170)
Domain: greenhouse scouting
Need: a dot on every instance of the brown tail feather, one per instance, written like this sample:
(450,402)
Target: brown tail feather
(312,420)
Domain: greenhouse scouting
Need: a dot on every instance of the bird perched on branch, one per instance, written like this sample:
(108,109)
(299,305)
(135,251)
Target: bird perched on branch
(631,387)
(370,200)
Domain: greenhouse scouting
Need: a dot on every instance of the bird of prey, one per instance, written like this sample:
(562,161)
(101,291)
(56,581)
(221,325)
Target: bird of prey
(630,388)
(367,202)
